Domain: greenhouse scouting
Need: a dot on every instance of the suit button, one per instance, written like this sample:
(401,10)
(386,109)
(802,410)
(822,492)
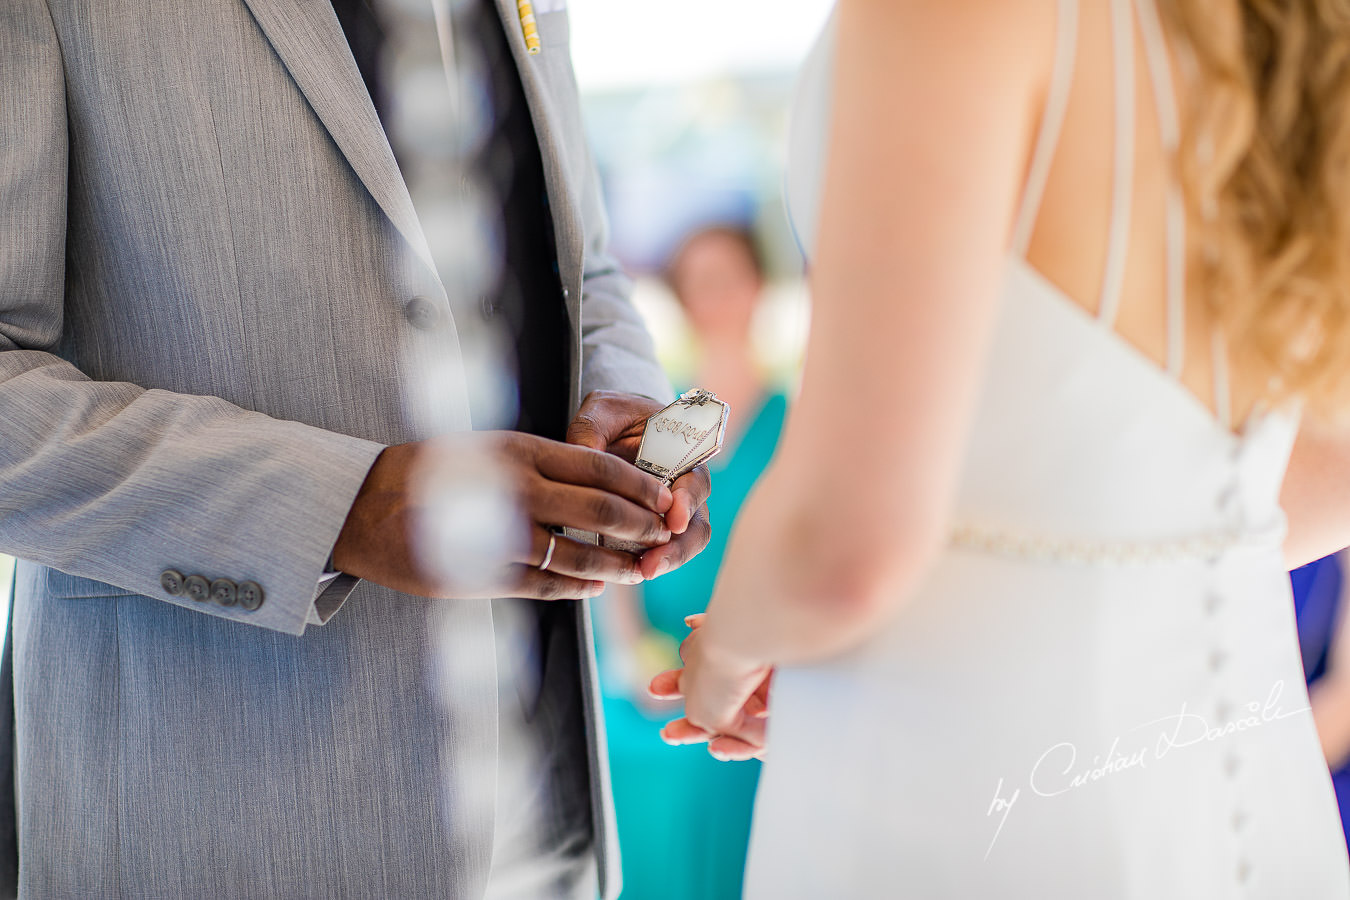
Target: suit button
(489,308)
(172,582)
(421,313)
(198,588)
(566,295)
(224,591)
(250,595)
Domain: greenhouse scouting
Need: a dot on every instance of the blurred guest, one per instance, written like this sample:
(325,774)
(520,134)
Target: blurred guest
(684,818)
(1324,635)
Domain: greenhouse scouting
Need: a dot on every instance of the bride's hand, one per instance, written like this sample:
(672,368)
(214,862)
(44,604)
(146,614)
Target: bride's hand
(726,699)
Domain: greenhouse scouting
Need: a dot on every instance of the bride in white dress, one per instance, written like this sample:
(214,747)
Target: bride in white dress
(1019,567)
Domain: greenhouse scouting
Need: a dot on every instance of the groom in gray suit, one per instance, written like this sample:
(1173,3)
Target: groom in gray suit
(216,301)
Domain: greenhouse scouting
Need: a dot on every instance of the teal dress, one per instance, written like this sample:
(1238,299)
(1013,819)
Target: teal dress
(684,817)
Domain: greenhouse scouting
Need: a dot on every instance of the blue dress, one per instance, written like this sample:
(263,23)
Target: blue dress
(684,817)
(1317,598)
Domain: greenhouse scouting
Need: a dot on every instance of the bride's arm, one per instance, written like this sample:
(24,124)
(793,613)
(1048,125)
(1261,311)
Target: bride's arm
(934,108)
(1316,495)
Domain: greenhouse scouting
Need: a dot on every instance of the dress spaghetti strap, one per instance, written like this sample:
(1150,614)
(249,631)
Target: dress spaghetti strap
(1169,126)
(1122,191)
(1123,15)
(1052,122)
(1160,71)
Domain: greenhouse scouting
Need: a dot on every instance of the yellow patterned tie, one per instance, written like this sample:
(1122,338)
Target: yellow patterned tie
(529,26)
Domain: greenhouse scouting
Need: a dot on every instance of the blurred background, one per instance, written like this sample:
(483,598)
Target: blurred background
(687,110)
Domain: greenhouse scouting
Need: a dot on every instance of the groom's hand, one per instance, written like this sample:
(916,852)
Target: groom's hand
(556,484)
(613,422)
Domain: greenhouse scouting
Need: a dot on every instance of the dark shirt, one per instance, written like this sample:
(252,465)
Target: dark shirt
(528,299)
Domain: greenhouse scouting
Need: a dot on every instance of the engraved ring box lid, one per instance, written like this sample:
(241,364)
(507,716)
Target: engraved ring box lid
(676,440)
(683,436)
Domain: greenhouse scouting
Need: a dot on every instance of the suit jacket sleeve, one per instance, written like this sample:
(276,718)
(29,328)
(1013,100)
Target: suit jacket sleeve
(113,482)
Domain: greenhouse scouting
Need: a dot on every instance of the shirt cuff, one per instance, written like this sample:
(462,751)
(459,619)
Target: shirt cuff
(330,575)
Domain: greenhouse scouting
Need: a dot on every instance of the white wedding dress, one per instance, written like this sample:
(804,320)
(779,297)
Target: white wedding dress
(1097,692)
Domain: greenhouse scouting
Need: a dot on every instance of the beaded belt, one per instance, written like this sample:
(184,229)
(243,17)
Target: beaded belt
(1044,548)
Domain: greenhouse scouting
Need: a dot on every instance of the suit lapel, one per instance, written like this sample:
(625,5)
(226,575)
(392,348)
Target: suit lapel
(562,198)
(308,39)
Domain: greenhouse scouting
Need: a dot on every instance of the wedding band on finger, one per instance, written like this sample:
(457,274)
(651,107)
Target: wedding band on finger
(548,554)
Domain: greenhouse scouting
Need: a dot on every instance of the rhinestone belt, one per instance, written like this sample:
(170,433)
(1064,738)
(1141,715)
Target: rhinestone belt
(1045,548)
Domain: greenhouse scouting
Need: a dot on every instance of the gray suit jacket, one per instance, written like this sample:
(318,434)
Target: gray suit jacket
(213,313)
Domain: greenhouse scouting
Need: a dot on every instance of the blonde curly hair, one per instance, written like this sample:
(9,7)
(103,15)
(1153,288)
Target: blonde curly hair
(1265,166)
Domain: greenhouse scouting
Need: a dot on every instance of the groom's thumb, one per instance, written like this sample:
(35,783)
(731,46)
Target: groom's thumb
(586,432)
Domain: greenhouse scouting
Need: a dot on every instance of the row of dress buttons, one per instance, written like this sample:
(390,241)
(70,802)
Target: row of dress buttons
(1229,503)
(222,591)
(1232,763)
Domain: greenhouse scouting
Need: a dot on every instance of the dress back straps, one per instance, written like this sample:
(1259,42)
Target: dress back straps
(1223,402)
(1122,183)
(1169,122)
(1159,68)
(1164,98)
(1052,122)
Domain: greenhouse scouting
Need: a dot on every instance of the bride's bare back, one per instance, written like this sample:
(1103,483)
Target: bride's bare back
(1070,242)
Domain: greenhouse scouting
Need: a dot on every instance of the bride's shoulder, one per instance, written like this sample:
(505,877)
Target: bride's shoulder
(1028,15)
(1013,39)
(1019,33)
